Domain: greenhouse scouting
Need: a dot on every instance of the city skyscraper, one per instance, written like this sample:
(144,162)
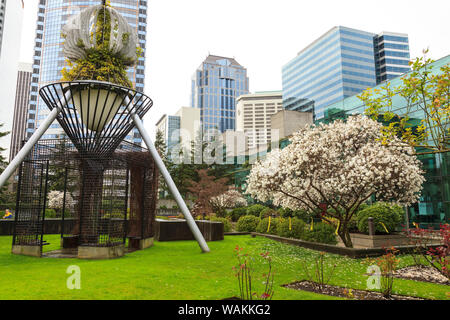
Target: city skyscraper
(20,108)
(49,60)
(11,17)
(341,63)
(391,55)
(253,116)
(180,130)
(216,84)
(2,21)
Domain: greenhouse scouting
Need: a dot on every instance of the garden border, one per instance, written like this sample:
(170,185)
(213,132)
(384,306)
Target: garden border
(354,253)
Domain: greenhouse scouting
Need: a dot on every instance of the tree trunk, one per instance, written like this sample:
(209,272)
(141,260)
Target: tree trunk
(345,235)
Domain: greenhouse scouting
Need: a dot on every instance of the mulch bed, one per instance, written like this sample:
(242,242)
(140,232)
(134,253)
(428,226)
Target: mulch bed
(421,273)
(344,292)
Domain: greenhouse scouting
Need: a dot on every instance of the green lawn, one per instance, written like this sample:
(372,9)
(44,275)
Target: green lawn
(177,270)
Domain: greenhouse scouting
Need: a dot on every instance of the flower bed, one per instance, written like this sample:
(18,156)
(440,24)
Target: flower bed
(345,292)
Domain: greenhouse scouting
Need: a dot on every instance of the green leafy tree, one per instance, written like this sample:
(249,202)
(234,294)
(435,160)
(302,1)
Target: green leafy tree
(421,91)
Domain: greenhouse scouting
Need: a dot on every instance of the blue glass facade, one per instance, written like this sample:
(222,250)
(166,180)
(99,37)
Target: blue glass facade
(48,59)
(339,64)
(215,86)
(391,55)
(173,133)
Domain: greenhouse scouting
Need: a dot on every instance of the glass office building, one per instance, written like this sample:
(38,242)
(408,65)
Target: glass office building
(48,58)
(215,86)
(391,55)
(341,63)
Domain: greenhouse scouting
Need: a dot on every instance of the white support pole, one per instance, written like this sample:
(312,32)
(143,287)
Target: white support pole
(172,187)
(22,154)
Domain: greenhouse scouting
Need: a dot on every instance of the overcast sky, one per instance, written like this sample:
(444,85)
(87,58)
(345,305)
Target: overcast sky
(262,35)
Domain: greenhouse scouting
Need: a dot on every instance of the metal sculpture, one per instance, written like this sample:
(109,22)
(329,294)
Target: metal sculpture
(97,116)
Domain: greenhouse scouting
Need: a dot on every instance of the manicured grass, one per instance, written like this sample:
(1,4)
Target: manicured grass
(177,270)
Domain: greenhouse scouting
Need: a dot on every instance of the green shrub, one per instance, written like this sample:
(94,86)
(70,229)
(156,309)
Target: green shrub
(266,212)
(390,215)
(264,223)
(297,228)
(303,215)
(51,213)
(322,233)
(300,214)
(247,224)
(226,223)
(285,212)
(236,213)
(255,210)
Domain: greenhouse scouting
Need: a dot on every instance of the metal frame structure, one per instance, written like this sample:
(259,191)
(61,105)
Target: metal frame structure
(61,99)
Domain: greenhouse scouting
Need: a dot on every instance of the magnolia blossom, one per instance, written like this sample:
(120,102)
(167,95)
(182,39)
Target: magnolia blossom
(56,200)
(230,199)
(340,164)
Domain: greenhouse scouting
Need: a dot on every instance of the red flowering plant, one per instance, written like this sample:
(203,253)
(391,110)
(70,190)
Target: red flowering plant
(388,264)
(244,274)
(438,257)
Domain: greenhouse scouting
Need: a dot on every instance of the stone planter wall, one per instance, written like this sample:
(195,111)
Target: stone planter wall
(360,240)
(174,230)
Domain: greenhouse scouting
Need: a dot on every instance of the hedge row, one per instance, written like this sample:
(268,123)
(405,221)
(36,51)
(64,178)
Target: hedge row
(386,217)
(289,228)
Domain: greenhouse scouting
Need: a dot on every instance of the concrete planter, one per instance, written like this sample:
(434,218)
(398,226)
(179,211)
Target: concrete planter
(360,240)
(174,230)
(87,252)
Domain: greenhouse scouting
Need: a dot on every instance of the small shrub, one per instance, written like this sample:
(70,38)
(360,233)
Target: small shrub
(255,210)
(383,214)
(264,224)
(236,213)
(266,212)
(297,229)
(320,273)
(247,224)
(244,271)
(322,233)
(51,213)
(388,264)
(285,212)
(303,215)
(300,214)
(226,223)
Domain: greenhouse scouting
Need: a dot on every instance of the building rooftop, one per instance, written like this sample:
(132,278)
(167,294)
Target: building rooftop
(213,59)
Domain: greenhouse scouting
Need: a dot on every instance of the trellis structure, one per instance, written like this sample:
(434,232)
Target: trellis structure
(96,116)
(114,198)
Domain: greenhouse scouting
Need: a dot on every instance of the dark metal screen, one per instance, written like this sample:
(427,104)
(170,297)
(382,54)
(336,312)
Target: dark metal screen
(31,202)
(144,192)
(106,199)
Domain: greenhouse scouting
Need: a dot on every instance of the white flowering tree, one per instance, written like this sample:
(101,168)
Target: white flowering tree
(56,200)
(230,199)
(340,165)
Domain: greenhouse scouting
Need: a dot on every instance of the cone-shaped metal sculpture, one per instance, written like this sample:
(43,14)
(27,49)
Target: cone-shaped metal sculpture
(97,117)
